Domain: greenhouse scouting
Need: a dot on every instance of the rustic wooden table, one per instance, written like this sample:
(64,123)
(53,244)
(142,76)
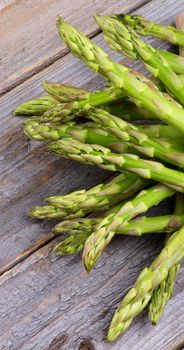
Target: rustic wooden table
(47,303)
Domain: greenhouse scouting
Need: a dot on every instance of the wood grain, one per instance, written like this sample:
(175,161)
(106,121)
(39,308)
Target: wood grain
(28,172)
(48,303)
(28,35)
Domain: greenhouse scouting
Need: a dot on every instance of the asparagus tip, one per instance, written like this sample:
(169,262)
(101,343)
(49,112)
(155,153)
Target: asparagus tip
(59,20)
(87,265)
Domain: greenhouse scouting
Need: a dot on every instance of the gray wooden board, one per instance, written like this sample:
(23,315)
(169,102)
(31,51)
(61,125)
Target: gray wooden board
(45,300)
(28,36)
(29,174)
(49,303)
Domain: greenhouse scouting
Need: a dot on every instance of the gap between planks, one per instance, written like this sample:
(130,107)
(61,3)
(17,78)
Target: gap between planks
(27,252)
(58,56)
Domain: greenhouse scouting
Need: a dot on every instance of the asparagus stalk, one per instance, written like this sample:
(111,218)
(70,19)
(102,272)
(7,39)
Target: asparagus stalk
(120,40)
(137,138)
(80,229)
(122,130)
(101,196)
(66,111)
(65,93)
(41,105)
(71,245)
(180,26)
(105,231)
(164,291)
(145,27)
(117,104)
(138,297)
(82,202)
(122,77)
(161,131)
(154,60)
(90,133)
(36,106)
(101,156)
(140,226)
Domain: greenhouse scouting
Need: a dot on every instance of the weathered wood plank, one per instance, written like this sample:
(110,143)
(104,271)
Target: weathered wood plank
(49,303)
(29,40)
(28,172)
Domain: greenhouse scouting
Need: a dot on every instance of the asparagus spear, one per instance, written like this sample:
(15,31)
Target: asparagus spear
(36,106)
(101,156)
(66,111)
(89,132)
(118,40)
(161,131)
(104,233)
(122,77)
(75,106)
(137,138)
(71,245)
(42,104)
(138,297)
(164,291)
(122,130)
(80,229)
(180,26)
(39,106)
(140,226)
(145,27)
(82,202)
(154,60)
(65,93)
(117,103)
(101,196)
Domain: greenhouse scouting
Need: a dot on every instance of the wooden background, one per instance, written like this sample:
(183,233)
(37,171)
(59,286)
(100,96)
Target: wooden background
(49,303)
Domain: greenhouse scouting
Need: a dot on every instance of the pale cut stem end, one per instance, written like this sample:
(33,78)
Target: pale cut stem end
(180,26)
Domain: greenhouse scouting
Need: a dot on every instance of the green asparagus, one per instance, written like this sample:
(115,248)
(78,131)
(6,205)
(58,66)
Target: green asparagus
(119,106)
(71,245)
(145,27)
(36,106)
(105,231)
(80,229)
(89,132)
(161,131)
(164,291)
(139,226)
(123,131)
(136,138)
(82,102)
(41,105)
(117,41)
(67,111)
(82,202)
(122,77)
(155,62)
(138,297)
(101,156)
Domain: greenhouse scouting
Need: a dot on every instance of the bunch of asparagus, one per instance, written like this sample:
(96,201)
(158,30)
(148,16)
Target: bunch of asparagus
(99,128)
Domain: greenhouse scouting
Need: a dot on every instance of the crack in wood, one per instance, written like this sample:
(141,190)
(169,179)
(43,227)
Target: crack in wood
(27,252)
